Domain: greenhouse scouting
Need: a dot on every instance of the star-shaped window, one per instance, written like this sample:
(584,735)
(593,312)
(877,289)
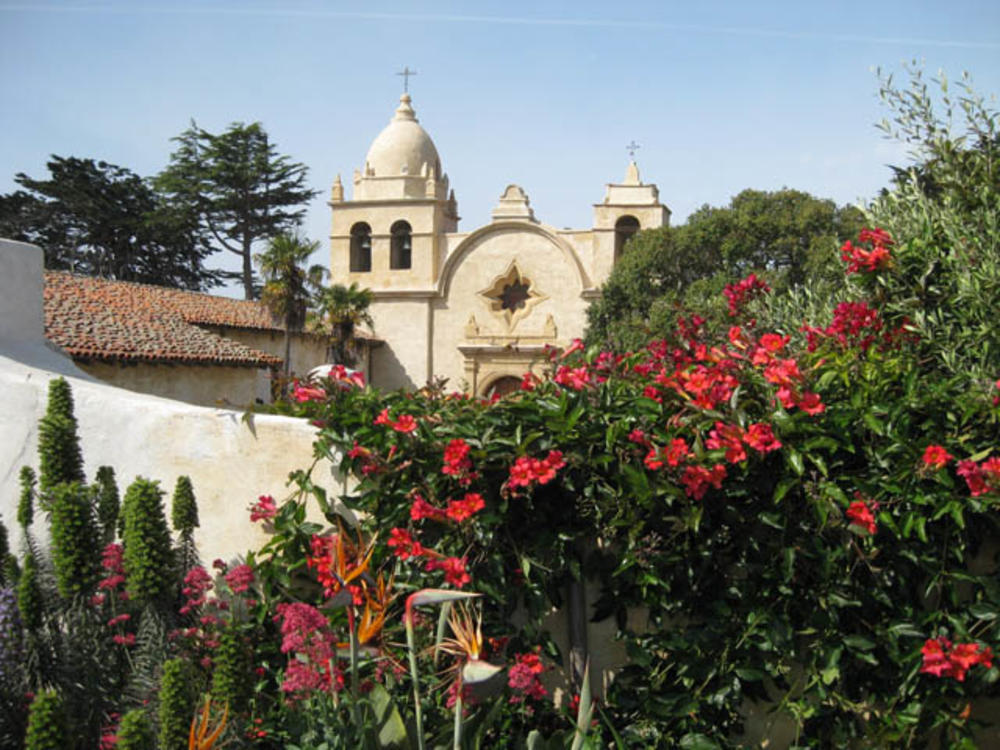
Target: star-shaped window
(511,296)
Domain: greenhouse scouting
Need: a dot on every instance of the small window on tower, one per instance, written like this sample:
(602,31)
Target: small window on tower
(401,251)
(625,227)
(361,248)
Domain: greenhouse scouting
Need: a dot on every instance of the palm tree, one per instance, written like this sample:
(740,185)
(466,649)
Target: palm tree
(288,285)
(340,310)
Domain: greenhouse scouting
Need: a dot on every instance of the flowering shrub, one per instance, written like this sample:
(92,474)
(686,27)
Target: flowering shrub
(760,491)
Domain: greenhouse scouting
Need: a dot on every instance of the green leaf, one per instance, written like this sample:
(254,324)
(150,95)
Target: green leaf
(794,459)
(391,727)
(859,643)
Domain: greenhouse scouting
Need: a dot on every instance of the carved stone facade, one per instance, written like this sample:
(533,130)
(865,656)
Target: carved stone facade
(479,307)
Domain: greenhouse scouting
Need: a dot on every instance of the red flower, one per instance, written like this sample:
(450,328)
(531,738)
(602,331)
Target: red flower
(383,417)
(810,403)
(576,378)
(303,393)
(742,291)
(974,477)
(405,424)
(760,437)
(696,479)
(859,259)
(653,459)
(468,506)
(730,438)
(420,508)
(264,510)
(456,458)
(942,660)
(529,382)
(454,570)
(404,545)
(527,470)
(936,457)
(861,515)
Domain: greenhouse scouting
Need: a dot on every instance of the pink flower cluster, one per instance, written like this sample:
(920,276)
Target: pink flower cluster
(854,326)
(311,647)
(527,470)
(264,509)
(523,677)
(942,659)
(575,378)
(112,561)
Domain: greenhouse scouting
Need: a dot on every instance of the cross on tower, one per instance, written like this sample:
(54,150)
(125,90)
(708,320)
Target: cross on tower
(631,147)
(406,73)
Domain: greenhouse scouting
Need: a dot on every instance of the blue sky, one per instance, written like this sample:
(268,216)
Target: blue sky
(721,96)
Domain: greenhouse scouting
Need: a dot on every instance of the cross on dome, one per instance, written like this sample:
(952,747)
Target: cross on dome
(406,73)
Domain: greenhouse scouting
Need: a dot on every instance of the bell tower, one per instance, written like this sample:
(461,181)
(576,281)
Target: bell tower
(388,235)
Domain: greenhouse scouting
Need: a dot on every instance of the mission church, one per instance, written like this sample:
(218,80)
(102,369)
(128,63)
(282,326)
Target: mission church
(478,308)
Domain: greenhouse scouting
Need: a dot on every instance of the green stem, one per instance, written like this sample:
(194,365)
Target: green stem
(355,691)
(458,716)
(414,676)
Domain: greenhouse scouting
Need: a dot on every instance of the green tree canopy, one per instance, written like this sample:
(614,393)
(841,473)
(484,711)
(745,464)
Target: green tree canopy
(785,236)
(100,219)
(340,310)
(238,189)
(289,286)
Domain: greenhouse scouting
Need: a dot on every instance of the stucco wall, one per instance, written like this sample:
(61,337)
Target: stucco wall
(230,462)
(204,385)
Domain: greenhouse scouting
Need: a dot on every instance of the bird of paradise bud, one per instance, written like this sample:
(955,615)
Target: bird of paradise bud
(339,561)
(466,644)
(416,599)
(200,737)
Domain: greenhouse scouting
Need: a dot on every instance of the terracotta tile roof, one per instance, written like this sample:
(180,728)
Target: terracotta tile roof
(119,320)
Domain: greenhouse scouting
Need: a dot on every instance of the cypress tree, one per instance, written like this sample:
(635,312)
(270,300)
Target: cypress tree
(148,557)
(46,723)
(176,704)
(108,502)
(29,596)
(59,456)
(76,550)
(135,732)
(26,505)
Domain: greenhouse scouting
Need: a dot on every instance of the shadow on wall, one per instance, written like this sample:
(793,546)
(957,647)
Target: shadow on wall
(390,371)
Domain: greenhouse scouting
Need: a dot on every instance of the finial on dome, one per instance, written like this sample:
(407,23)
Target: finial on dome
(404,111)
(632,174)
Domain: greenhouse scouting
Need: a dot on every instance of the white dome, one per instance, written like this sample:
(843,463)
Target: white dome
(403,148)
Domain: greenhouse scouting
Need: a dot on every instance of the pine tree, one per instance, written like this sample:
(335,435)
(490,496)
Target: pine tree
(29,596)
(148,557)
(176,704)
(59,456)
(26,505)
(76,550)
(108,502)
(46,723)
(135,732)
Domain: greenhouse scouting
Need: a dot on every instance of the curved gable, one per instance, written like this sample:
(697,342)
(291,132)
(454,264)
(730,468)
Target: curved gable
(477,238)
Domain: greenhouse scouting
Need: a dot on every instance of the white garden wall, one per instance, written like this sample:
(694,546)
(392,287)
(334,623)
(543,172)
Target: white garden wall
(229,461)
